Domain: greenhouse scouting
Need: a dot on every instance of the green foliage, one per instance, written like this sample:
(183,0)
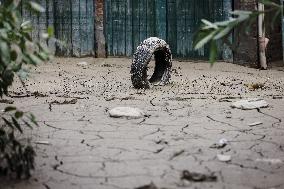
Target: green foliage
(16,46)
(17,52)
(220,31)
(16,156)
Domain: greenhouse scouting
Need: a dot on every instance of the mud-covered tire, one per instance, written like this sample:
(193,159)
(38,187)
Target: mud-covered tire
(141,58)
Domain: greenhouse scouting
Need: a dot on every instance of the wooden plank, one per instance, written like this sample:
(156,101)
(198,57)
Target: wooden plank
(189,6)
(129,36)
(50,23)
(135,26)
(142,20)
(76,28)
(161,21)
(121,28)
(115,20)
(283,30)
(150,18)
(172,26)
(90,41)
(227,54)
(86,28)
(181,28)
(108,27)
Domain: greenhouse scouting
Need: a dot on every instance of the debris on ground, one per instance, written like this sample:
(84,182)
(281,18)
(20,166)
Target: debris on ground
(270,161)
(198,177)
(149,186)
(119,98)
(72,101)
(249,104)
(44,142)
(224,158)
(255,123)
(221,144)
(82,63)
(255,86)
(38,94)
(6,101)
(126,112)
(277,97)
(228,99)
(176,154)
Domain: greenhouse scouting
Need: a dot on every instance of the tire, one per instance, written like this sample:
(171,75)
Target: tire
(141,58)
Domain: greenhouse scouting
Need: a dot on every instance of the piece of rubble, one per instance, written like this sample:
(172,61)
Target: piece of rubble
(270,160)
(221,143)
(82,63)
(148,186)
(250,104)
(127,112)
(255,123)
(224,158)
(198,177)
(43,142)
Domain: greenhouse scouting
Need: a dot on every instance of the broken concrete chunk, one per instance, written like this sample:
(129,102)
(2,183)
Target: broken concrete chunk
(149,186)
(271,161)
(43,142)
(250,104)
(255,124)
(221,144)
(127,112)
(82,64)
(198,177)
(224,158)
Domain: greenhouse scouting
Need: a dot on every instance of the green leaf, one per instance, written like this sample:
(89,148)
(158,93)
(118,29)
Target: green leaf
(17,125)
(4,52)
(8,123)
(209,24)
(50,31)
(33,119)
(223,32)
(27,124)
(205,40)
(35,60)
(213,52)
(10,108)
(36,7)
(19,114)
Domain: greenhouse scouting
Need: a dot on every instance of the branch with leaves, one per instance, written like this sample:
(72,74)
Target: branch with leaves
(214,33)
(17,52)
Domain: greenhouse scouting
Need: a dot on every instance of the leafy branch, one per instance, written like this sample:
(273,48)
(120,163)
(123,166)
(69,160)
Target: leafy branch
(211,33)
(17,52)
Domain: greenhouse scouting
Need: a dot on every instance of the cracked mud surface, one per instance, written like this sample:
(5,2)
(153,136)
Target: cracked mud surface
(88,149)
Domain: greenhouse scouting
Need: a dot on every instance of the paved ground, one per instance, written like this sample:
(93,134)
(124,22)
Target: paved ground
(88,149)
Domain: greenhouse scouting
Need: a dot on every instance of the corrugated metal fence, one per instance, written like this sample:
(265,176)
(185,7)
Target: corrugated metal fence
(73,23)
(128,22)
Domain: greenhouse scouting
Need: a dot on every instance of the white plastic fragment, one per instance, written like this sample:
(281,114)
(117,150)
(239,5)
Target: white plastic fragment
(224,158)
(250,104)
(44,142)
(268,160)
(223,141)
(82,64)
(127,112)
(255,123)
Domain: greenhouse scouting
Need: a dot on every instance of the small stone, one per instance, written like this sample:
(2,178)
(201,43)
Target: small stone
(277,97)
(250,104)
(82,64)
(44,142)
(269,160)
(255,124)
(127,112)
(224,158)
